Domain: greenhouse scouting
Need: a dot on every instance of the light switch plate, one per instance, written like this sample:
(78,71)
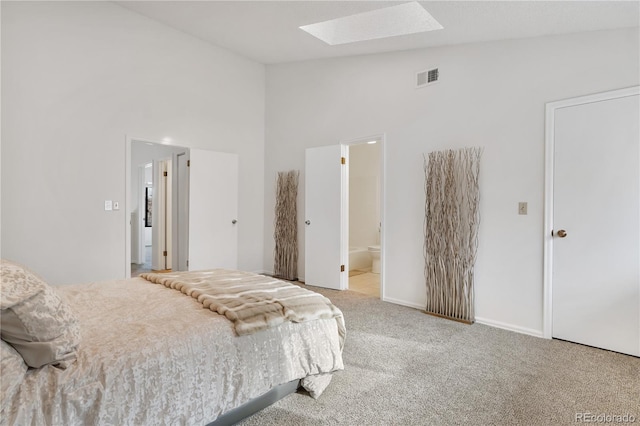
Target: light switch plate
(522,207)
(108,205)
(116,205)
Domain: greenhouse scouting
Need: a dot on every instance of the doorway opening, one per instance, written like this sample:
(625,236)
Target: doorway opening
(327,257)
(157,206)
(365,215)
(200,207)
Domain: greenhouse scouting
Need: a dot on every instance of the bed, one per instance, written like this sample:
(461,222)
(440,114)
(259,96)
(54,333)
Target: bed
(147,353)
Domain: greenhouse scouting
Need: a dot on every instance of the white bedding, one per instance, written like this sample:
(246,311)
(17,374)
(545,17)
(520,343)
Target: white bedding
(151,355)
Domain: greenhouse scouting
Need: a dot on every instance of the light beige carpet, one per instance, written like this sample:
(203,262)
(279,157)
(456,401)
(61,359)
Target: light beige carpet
(403,367)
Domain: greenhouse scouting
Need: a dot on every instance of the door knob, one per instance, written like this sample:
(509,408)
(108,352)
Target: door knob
(562,233)
(307,222)
(234,221)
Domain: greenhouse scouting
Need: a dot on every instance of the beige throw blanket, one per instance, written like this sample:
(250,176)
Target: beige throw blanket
(252,302)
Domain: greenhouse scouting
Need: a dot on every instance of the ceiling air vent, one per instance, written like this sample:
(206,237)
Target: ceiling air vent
(427,77)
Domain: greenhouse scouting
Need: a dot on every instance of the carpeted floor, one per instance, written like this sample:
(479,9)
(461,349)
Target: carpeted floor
(403,367)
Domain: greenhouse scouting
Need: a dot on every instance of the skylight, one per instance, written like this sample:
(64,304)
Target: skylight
(407,18)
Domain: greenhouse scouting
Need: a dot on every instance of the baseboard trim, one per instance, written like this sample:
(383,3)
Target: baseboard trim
(510,327)
(479,320)
(403,303)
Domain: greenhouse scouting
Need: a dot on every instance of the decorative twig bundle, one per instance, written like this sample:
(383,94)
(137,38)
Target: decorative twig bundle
(285,263)
(451,231)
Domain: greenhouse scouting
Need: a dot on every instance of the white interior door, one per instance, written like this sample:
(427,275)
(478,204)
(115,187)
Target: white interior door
(325,221)
(160,217)
(213,210)
(596,278)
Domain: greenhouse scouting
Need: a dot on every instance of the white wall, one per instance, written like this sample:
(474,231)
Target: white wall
(76,78)
(364,200)
(490,95)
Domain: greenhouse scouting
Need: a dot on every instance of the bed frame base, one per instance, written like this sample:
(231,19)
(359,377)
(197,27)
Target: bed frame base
(249,408)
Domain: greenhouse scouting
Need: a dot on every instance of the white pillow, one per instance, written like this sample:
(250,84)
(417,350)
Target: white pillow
(35,320)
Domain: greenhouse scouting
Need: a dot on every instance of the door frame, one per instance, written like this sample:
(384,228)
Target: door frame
(381,139)
(549,163)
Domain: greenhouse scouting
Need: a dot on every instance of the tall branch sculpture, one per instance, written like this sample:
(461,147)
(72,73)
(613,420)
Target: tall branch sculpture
(285,263)
(451,231)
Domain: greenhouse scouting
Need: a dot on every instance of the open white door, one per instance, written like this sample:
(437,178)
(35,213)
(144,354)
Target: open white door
(325,224)
(181,211)
(213,210)
(161,215)
(596,219)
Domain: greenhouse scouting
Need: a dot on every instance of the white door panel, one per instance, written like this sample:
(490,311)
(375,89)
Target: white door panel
(161,200)
(213,210)
(324,192)
(596,267)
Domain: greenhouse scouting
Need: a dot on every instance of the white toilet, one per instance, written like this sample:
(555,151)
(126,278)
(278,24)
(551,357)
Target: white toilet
(374,251)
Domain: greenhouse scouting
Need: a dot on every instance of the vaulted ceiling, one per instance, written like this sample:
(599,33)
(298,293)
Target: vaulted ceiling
(268,31)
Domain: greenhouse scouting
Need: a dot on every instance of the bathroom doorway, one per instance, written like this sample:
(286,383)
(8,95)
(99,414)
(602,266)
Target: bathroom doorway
(365,215)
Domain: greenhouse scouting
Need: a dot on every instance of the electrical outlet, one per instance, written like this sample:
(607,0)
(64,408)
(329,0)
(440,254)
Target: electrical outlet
(522,207)
(108,205)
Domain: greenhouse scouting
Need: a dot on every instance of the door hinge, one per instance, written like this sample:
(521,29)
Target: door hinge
(188,163)
(164,253)
(187,263)
(166,174)
(343,160)
(341,268)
